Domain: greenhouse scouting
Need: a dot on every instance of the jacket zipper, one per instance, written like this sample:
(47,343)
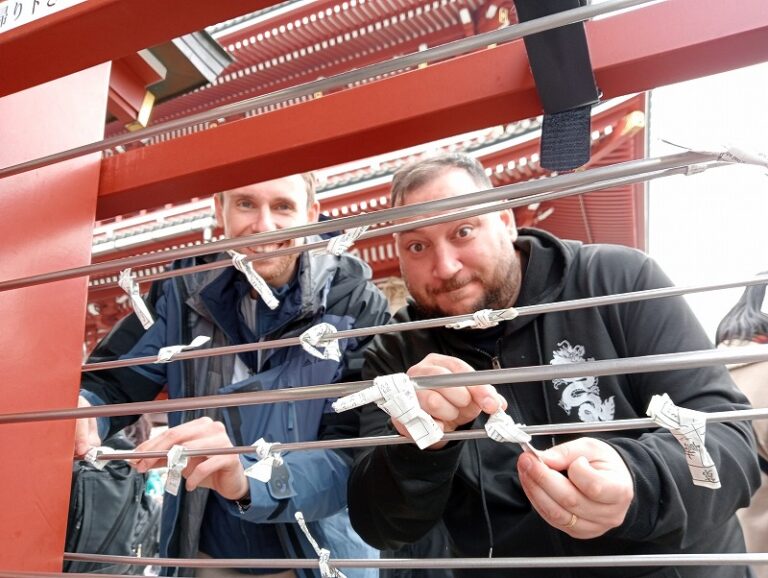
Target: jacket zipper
(513,406)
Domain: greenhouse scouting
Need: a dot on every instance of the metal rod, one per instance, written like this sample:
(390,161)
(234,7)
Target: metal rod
(648,363)
(584,303)
(391,440)
(518,190)
(446,563)
(428,221)
(325,85)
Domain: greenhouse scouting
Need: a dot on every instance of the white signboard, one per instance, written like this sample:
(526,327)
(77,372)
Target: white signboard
(15,13)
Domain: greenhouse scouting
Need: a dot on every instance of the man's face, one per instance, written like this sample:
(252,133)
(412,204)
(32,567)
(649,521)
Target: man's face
(462,266)
(262,207)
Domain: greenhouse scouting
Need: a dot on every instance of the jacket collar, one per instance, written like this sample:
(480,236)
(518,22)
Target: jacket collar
(216,294)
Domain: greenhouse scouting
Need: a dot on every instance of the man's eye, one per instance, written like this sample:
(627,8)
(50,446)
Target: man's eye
(282,207)
(465,231)
(244,204)
(416,248)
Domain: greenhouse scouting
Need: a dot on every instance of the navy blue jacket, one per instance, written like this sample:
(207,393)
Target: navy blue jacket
(327,289)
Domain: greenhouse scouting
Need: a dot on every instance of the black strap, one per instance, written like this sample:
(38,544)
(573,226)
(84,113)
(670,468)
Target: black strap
(565,82)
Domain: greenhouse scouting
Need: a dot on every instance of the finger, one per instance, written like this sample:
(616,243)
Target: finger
(82,437)
(182,435)
(559,496)
(487,398)
(93,432)
(561,456)
(577,527)
(595,467)
(223,474)
(540,483)
(602,485)
(452,364)
(456,397)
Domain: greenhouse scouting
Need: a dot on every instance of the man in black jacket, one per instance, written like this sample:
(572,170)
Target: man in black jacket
(625,492)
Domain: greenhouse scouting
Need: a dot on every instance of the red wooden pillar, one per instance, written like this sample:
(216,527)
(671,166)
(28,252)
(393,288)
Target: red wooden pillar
(46,222)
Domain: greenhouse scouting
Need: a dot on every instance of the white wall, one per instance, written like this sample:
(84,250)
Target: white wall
(713,226)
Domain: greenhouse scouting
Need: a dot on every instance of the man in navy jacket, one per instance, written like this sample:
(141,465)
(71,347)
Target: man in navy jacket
(243,517)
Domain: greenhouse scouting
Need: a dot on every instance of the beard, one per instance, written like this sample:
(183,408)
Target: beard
(274,271)
(501,287)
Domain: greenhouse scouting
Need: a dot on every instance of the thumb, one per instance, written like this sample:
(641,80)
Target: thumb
(561,456)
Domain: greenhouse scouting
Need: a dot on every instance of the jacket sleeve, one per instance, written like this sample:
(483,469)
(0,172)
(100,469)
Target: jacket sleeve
(127,339)
(668,509)
(315,481)
(397,493)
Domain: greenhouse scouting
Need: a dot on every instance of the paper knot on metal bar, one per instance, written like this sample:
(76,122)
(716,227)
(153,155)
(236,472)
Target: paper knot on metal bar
(317,334)
(268,460)
(738,155)
(689,428)
(256,280)
(501,428)
(166,354)
(396,395)
(128,283)
(324,555)
(92,456)
(340,244)
(177,461)
(485,318)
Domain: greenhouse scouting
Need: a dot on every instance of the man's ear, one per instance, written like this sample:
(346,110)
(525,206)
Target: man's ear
(218,209)
(508,218)
(313,213)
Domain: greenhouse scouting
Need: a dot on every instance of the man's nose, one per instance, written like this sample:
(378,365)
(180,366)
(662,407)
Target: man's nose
(263,222)
(446,262)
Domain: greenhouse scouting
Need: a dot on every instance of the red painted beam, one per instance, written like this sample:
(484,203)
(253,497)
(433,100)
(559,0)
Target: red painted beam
(668,42)
(46,223)
(98,31)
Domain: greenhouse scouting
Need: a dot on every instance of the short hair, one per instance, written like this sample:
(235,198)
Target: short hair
(745,320)
(416,174)
(310,185)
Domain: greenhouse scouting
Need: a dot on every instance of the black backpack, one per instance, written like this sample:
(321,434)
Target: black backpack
(109,513)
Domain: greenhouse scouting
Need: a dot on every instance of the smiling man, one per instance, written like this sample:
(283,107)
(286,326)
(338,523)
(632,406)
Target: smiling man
(620,492)
(269,206)
(221,513)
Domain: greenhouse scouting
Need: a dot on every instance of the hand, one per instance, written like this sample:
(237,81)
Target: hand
(598,489)
(86,431)
(223,474)
(453,406)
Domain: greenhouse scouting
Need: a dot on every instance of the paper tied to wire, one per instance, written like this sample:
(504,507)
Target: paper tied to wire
(738,155)
(177,461)
(689,428)
(396,395)
(340,244)
(166,354)
(485,318)
(324,555)
(501,428)
(262,470)
(92,456)
(256,280)
(128,284)
(319,334)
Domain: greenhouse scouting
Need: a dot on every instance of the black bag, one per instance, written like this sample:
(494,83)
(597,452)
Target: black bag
(109,513)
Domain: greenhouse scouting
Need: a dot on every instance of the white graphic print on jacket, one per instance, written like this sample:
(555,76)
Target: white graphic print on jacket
(580,392)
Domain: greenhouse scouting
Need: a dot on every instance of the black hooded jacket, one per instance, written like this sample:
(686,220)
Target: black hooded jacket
(397,493)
